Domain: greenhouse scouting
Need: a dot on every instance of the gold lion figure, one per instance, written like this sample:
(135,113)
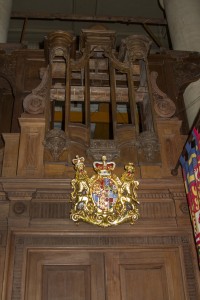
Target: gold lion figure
(129,187)
(80,184)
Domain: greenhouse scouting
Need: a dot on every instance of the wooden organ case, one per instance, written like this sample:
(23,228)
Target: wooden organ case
(92,102)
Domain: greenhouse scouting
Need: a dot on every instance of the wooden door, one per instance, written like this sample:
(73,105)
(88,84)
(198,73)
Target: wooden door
(135,274)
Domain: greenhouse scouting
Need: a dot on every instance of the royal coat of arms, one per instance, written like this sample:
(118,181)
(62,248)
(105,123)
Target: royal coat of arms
(104,199)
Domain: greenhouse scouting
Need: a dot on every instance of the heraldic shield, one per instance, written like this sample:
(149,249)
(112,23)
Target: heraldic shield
(104,199)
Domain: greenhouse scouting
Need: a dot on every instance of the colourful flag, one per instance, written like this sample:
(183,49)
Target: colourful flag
(191,173)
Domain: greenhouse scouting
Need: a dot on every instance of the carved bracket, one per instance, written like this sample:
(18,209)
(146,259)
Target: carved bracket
(34,103)
(163,105)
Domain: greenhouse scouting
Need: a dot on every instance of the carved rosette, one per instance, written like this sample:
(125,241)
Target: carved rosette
(19,207)
(136,47)
(34,103)
(163,105)
(184,208)
(56,142)
(147,142)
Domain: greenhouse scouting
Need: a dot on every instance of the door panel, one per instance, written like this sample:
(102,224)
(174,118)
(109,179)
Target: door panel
(150,274)
(66,282)
(64,275)
(143,282)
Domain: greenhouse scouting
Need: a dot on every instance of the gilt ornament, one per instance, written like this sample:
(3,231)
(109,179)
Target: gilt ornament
(104,199)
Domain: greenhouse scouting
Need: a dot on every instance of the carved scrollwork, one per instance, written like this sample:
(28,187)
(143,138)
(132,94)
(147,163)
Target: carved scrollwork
(121,66)
(56,142)
(82,61)
(34,103)
(163,105)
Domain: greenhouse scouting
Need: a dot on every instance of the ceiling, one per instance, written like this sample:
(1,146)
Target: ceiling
(32,20)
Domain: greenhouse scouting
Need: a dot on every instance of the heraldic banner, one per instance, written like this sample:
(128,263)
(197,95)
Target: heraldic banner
(191,173)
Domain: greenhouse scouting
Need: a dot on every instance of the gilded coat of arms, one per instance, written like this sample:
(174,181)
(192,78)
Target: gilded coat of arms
(104,199)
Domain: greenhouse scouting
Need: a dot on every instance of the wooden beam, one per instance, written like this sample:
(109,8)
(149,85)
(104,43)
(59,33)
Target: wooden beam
(97,94)
(82,18)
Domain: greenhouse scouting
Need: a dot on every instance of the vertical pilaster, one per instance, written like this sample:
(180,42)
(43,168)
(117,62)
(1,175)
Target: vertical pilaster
(31,150)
